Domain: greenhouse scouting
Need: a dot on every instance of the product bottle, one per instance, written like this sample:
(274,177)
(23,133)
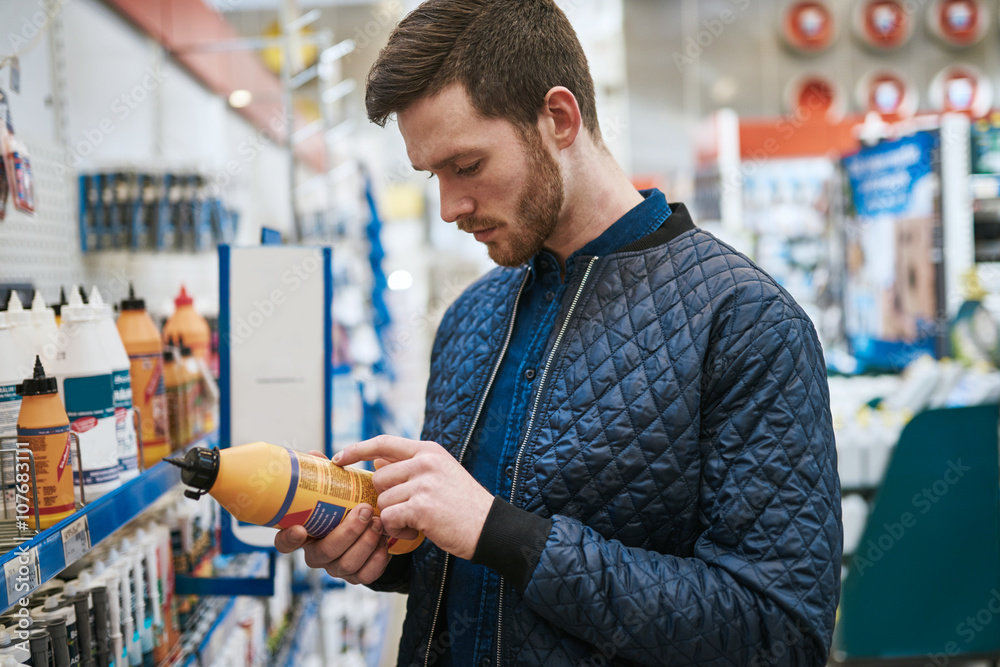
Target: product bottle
(195,397)
(40,643)
(46,328)
(10,405)
(44,425)
(145,351)
(112,580)
(128,447)
(186,323)
(22,330)
(13,649)
(55,607)
(84,375)
(57,307)
(175,381)
(269,485)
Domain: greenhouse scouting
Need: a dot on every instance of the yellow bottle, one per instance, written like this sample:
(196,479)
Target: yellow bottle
(145,351)
(43,424)
(269,485)
(175,383)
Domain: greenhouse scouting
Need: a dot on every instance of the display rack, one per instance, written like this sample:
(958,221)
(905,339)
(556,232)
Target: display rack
(51,551)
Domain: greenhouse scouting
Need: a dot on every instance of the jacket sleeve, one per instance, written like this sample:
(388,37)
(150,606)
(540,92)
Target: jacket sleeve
(762,584)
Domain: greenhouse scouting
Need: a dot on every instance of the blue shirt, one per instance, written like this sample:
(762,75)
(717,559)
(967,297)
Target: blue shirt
(470,605)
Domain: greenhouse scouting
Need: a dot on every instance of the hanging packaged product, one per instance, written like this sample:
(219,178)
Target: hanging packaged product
(269,485)
(145,351)
(121,382)
(16,162)
(4,191)
(44,425)
(84,374)
(188,324)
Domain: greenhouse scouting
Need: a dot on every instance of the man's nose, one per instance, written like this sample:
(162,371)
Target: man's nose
(454,204)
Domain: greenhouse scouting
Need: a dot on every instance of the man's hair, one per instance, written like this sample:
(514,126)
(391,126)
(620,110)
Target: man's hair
(506,53)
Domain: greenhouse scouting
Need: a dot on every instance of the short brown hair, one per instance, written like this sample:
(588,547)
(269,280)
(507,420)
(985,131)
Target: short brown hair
(507,53)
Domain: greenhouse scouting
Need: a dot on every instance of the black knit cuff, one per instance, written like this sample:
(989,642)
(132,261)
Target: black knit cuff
(512,541)
(396,577)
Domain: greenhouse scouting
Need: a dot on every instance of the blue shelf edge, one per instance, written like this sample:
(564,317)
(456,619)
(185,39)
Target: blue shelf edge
(104,516)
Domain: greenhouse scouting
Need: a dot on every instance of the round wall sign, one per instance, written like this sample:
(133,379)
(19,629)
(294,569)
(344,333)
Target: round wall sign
(882,24)
(958,23)
(961,88)
(887,93)
(808,26)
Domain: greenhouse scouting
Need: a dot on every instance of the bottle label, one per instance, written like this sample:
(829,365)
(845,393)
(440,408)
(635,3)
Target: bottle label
(10,406)
(324,518)
(128,448)
(148,396)
(50,448)
(91,412)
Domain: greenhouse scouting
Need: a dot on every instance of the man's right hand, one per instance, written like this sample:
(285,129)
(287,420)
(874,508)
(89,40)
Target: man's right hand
(355,551)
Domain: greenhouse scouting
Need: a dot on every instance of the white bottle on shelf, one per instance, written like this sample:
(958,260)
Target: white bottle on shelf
(22,330)
(10,377)
(11,649)
(43,319)
(121,382)
(84,375)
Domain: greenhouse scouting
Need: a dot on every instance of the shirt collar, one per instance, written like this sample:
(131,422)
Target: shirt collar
(641,220)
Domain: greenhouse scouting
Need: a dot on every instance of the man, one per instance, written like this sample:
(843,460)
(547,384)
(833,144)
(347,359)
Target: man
(627,455)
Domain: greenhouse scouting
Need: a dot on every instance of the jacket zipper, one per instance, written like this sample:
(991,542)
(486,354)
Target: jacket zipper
(465,445)
(531,422)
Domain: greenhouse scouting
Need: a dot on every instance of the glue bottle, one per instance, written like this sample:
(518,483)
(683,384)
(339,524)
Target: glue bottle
(269,485)
(121,382)
(84,374)
(145,351)
(10,377)
(46,330)
(188,324)
(22,330)
(44,425)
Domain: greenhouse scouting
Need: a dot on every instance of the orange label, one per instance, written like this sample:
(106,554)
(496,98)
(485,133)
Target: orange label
(147,391)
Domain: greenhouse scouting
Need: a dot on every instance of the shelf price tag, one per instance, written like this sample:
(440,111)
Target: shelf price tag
(76,540)
(21,573)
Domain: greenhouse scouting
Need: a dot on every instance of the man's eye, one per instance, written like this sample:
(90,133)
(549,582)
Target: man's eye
(468,171)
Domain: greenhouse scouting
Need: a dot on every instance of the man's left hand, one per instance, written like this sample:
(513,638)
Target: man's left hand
(423,487)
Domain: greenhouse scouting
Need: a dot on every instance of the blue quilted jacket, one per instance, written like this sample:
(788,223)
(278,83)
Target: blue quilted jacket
(680,452)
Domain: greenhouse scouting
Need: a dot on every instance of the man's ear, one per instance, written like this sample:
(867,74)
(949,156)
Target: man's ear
(560,119)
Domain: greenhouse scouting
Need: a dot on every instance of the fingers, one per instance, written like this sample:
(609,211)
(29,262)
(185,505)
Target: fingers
(388,447)
(331,547)
(378,463)
(316,452)
(373,567)
(290,539)
(360,555)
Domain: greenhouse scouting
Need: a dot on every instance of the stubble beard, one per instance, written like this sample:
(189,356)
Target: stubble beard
(538,208)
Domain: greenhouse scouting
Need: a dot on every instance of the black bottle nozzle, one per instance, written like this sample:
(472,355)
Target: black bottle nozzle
(199,468)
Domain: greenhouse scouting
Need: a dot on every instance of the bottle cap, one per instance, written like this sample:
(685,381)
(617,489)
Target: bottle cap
(39,384)
(83,294)
(16,314)
(199,468)
(184,349)
(101,310)
(40,314)
(76,310)
(132,303)
(168,355)
(183,299)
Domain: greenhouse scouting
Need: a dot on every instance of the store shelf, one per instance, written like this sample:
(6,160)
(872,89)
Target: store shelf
(985,186)
(44,556)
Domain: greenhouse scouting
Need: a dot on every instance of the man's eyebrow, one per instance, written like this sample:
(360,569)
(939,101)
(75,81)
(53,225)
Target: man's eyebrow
(443,163)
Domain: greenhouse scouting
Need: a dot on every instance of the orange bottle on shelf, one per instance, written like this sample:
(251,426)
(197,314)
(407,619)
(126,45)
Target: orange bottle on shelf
(44,425)
(176,382)
(188,325)
(145,351)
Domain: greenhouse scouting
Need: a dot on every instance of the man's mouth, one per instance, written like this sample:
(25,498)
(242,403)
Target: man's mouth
(484,235)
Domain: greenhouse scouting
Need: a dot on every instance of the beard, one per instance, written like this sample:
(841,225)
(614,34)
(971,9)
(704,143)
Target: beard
(538,208)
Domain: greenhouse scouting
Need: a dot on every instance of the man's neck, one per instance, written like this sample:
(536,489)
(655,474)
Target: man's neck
(598,196)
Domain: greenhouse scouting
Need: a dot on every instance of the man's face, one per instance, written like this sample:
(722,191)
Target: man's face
(497,182)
